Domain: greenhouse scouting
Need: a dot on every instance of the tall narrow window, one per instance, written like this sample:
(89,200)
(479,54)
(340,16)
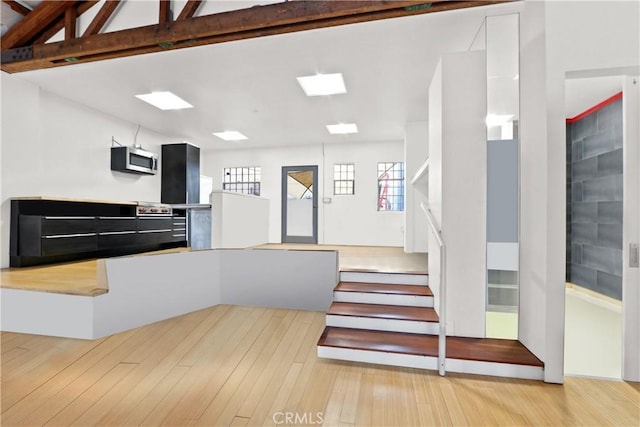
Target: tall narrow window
(343,179)
(391,186)
(242,180)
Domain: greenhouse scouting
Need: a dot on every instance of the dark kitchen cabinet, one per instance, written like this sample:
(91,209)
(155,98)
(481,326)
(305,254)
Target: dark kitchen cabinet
(46,231)
(180,174)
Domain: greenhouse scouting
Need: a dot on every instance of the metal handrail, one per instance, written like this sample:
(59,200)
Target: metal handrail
(442,330)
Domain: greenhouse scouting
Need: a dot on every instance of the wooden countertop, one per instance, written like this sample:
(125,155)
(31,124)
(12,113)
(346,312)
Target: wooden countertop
(72,199)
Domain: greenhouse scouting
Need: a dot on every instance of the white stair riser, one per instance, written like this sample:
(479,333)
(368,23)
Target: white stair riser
(377,324)
(385,299)
(427,362)
(393,278)
(379,357)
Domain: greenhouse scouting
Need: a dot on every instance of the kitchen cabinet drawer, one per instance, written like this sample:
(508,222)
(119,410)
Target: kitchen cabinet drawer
(151,223)
(154,237)
(109,224)
(67,244)
(117,239)
(55,225)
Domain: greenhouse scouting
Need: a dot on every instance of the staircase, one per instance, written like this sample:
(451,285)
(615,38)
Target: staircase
(388,319)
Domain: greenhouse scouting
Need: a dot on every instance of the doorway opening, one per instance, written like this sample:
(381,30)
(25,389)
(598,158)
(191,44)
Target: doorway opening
(300,204)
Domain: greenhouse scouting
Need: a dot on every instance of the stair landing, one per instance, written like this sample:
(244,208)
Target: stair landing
(484,356)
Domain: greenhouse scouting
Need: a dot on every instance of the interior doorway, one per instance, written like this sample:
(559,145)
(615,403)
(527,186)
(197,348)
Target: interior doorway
(300,204)
(600,151)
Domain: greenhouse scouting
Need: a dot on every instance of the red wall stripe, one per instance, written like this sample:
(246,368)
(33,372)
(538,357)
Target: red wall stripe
(595,108)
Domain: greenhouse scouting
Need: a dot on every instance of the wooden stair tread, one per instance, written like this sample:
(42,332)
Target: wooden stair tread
(479,349)
(381,288)
(395,312)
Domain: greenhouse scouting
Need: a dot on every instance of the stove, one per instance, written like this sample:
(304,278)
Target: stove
(153,209)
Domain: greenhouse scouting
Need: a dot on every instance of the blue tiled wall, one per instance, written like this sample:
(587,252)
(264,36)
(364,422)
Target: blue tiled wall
(594,201)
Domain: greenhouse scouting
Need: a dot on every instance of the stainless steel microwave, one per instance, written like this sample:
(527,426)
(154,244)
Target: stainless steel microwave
(133,160)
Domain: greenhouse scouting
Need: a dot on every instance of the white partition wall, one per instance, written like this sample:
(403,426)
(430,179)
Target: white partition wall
(238,220)
(457,187)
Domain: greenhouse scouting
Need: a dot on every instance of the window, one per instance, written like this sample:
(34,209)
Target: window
(391,186)
(242,180)
(343,179)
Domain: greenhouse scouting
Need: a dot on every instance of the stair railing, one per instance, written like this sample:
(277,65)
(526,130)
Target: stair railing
(442,330)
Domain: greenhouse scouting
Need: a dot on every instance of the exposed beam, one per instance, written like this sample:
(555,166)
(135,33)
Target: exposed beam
(32,24)
(189,10)
(17,7)
(165,11)
(257,21)
(70,18)
(59,24)
(102,17)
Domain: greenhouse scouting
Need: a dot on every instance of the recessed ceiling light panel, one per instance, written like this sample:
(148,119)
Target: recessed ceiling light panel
(165,100)
(230,135)
(323,84)
(342,128)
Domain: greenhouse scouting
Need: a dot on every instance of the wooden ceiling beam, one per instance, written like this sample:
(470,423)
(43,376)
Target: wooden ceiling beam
(57,25)
(101,17)
(34,23)
(165,11)
(189,10)
(17,7)
(70,19)
(254,22)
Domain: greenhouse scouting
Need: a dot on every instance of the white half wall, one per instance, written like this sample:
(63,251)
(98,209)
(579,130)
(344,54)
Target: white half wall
(457,187)
(345,220)
(416,151)
(238,220)
(55,147)
(301,280)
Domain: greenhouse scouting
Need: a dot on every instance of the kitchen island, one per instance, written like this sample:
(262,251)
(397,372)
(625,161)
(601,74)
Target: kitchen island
(47,230)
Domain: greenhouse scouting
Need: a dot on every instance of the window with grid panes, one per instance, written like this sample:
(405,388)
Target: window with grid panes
(391,186)
(343,179)
(242,180)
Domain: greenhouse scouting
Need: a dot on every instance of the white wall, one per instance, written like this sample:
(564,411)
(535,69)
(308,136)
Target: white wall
(556,38)
(457,188)
(347,220)
(416,151)
(238,220)
(54,147)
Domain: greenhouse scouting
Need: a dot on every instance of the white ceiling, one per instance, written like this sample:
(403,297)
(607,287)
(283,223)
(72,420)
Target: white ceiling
(582,94)
(250,85)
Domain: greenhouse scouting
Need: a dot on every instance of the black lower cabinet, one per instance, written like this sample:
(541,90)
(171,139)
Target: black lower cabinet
(48,232)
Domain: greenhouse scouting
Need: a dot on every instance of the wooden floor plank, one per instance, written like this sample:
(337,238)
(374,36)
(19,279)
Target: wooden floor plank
(92,388)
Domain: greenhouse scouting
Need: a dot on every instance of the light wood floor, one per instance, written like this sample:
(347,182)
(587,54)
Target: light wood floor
(230,365)
(385,259)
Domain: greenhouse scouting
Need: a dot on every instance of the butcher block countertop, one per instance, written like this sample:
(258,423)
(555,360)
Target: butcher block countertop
(72,199)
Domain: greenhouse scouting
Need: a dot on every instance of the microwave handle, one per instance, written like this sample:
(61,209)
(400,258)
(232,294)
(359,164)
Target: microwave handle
(155,164)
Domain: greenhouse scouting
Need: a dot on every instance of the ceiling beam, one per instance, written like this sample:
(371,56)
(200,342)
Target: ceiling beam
(34,23)
(58,24)
(189,10)
(17,7)
(253,22)
(165,11)
(101,17)
(70,19)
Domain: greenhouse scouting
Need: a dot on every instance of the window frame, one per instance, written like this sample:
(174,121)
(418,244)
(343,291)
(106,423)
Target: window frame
(396,193)
(250,178)
(344,169)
